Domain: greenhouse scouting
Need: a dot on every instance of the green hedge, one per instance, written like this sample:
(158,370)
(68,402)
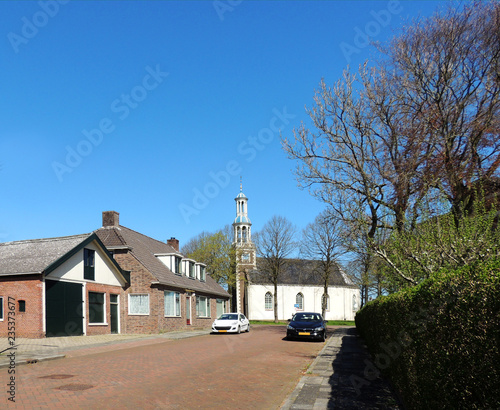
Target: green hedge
(439,341)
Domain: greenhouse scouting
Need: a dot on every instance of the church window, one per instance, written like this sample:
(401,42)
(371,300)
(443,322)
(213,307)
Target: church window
(269,301)
(244,234)
(299,300)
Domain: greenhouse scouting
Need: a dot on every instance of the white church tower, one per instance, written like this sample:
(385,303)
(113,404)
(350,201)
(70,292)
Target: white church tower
(245,249)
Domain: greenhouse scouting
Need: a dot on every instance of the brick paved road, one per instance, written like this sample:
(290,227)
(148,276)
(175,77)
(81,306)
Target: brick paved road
(256,370)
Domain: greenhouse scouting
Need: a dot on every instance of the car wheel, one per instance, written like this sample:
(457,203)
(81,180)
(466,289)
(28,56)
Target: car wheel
(324,336)
(248,328)
(239,330)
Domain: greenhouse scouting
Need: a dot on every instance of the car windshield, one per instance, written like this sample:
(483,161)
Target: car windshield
(307,317)
(228,316)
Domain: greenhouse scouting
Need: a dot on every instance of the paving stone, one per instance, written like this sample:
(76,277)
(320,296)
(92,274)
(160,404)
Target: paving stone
(344,356)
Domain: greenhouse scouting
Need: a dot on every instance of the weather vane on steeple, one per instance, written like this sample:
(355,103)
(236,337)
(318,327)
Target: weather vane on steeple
(241,183)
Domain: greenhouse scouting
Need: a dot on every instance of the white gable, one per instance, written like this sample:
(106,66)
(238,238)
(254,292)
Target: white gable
(72,269)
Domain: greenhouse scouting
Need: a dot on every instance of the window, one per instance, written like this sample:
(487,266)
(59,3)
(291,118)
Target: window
(326,300)
(22,305)
(191,270)
(245,257)
(88,264)
(1,308)
(269,301)
(172,303)
(221,307)
(203,277)
(299,300)
(202,306)
(138,304)
(96,307)
(178,265)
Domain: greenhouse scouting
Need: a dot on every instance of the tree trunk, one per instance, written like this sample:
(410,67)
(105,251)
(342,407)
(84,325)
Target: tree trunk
(324,300)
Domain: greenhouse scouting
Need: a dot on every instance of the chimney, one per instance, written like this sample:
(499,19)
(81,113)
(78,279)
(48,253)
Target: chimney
(174,243)
(110,218)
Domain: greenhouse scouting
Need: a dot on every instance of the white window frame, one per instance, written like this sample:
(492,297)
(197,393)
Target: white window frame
(220,303)
(203,273)
(177,303)
(301,303)
(177,267)
(266,306)
(129,304)
(104,312)
(207,306)
(191,267)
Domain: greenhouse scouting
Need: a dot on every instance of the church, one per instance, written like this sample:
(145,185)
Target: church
(299,287)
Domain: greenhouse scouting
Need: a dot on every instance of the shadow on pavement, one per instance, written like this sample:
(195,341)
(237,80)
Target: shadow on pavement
(355,382)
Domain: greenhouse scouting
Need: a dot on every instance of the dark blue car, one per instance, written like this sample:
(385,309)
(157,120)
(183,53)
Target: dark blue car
(306,325)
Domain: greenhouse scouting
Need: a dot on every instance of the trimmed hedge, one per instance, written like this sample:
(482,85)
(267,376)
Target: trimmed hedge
(439,342)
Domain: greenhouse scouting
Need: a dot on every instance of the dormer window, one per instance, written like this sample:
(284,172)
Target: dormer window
(191,271)
(178,265)
(202,273)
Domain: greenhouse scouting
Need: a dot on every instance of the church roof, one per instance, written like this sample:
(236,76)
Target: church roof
(301,272)
(241,195)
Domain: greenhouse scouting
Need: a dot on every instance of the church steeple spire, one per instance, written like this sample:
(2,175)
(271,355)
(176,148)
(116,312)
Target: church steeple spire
(246,257)
(242,224)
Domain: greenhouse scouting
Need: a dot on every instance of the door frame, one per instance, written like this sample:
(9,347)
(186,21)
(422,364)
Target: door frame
(188,309)
(117,304)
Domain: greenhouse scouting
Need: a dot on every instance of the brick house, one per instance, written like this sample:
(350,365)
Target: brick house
(114,280)
(167,290)
(59,286)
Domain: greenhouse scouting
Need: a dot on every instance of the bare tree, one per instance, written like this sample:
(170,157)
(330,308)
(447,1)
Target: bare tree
(446,70)
(274,244)
(423,118)
(322,242)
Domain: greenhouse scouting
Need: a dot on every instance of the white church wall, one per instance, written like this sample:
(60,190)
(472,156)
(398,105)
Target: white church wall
(342,306)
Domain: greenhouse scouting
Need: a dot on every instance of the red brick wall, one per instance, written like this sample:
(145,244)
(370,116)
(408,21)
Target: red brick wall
(140,280)
(27,288)
(95,329)
(156,322)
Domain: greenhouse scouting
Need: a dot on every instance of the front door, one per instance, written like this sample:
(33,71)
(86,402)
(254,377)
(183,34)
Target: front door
(113,303)
(188,310)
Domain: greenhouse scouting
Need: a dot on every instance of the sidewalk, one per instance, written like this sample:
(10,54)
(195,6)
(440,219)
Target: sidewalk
(37,350)
(336,378)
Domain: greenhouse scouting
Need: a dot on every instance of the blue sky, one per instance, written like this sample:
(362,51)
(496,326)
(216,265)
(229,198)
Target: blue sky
(155,109)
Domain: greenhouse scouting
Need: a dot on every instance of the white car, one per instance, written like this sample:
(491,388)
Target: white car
(231,323)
